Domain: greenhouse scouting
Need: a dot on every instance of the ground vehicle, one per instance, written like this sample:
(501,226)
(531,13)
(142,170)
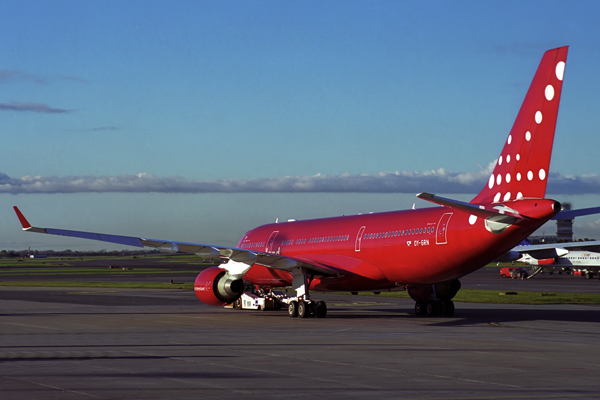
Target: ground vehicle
(513,272)
(260,300)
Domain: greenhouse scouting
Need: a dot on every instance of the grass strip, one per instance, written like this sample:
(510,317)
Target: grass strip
(96,272)
(117,285)
(521,297)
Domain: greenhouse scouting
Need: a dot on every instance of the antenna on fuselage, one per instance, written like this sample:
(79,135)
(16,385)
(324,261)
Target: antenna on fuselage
(414,204)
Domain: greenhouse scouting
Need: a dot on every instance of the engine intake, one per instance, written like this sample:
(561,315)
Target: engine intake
(215,287)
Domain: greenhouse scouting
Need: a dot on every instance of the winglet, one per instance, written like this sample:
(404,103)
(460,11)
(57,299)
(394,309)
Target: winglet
(26,225)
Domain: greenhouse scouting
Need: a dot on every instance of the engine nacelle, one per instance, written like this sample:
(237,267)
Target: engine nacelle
(215,287)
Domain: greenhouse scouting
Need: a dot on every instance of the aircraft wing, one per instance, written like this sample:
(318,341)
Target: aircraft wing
(568,214)
(551,250)
(270,260)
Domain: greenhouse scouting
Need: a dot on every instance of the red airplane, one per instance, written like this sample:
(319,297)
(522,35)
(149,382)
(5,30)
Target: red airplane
(424,251)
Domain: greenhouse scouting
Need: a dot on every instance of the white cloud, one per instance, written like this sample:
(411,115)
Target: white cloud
(436,181)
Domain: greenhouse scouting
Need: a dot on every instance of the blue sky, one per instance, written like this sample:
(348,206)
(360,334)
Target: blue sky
(99,99)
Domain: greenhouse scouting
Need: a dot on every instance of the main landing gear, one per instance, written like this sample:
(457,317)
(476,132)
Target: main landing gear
(306,309)
(301,305)
(434,300)
(434,308)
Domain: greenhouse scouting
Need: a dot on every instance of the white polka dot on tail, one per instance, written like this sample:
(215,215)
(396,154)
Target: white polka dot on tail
(549,92)
(560,70)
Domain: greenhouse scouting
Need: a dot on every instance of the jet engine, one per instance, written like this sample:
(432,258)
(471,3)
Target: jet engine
(214,286)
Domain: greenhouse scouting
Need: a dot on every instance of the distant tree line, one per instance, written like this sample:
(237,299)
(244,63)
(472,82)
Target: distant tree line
(73,253)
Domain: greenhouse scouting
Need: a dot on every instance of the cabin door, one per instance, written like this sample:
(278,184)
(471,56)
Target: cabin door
(359,238)
(441,236)
(271,241)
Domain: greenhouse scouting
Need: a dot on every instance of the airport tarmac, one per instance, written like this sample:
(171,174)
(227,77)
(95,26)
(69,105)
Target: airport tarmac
(59,343)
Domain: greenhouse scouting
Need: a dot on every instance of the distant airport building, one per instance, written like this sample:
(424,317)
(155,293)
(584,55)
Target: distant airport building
(564,230)
(564,227)
(38,256)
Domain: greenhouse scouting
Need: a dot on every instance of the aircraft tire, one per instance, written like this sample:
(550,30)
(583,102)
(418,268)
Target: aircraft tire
(433,308)
(293,309)
(321,309)
(303,309)
(420,308)
(448,308)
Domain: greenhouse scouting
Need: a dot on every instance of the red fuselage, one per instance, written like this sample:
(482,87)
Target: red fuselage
(385,250)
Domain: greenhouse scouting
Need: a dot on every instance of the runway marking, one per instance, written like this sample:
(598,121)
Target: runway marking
(499,325)
(50,386)
(29,326)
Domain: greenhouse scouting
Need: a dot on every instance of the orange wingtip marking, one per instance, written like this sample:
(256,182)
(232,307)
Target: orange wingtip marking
(22,218)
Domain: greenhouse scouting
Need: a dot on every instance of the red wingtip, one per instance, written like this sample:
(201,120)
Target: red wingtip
(22,219)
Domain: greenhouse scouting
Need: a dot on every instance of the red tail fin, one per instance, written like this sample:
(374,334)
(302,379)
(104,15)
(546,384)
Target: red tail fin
(522,169)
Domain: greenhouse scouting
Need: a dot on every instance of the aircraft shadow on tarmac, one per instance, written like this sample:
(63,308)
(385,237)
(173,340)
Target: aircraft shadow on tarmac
(469,316)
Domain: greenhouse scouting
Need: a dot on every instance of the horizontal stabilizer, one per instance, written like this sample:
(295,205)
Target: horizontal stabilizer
(474,209)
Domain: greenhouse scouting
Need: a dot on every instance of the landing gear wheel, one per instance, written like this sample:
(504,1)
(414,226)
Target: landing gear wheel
(302,309)
(293,309)
(305,309)
(433,308)
(321,309)
(420,308)
(447,308)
